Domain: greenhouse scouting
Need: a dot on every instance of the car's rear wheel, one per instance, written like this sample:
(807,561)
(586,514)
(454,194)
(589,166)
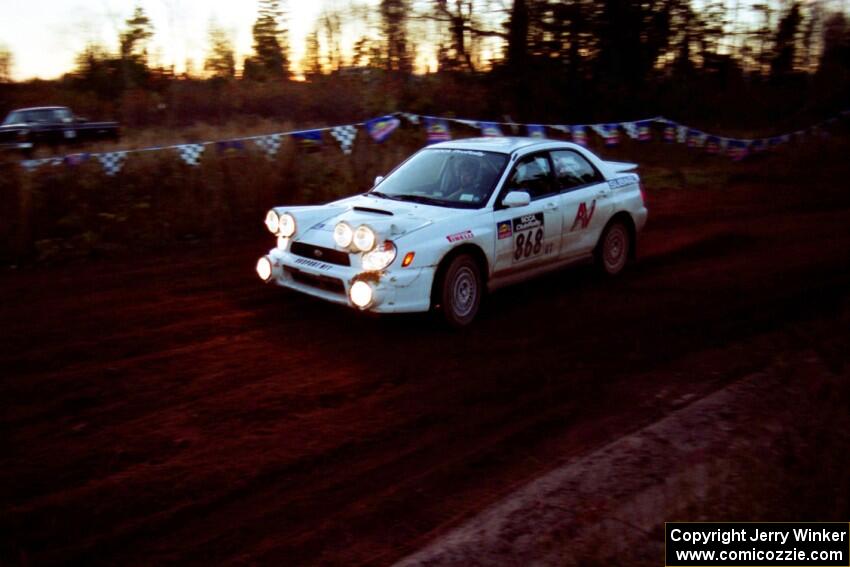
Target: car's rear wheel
(612,252)
(461,290)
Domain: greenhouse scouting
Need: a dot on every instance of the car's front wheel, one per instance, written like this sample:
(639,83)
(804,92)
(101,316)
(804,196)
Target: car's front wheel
(461,290)
(612,252)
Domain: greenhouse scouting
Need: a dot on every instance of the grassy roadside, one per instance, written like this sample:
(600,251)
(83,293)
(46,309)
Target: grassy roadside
(156,201)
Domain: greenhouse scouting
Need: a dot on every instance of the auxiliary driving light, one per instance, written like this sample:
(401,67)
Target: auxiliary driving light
(343,234)
(287,225)
(264,268)
(361,294)
(272,221)
(364,238)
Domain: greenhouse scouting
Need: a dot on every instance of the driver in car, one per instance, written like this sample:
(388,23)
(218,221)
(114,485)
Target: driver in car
(469,183)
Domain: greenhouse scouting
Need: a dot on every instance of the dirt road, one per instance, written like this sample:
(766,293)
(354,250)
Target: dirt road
(173,408)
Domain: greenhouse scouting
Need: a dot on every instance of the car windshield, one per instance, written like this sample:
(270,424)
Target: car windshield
(14,118)
(445,177)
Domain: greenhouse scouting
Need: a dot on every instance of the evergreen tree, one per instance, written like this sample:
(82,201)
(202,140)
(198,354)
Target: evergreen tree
(133,45)
(785,44)
(133,40)
(271,58)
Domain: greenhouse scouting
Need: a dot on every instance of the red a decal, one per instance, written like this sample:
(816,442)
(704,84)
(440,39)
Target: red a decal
(582,216)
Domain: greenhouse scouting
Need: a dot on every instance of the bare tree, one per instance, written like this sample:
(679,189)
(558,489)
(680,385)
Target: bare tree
(330,22)
(312,62)
(397,56)
(6,64)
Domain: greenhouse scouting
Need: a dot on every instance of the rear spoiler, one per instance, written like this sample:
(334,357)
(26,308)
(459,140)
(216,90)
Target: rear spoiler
(620,166)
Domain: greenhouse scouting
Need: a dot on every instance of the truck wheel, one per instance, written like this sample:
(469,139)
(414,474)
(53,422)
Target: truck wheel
(461,290)
(613,249)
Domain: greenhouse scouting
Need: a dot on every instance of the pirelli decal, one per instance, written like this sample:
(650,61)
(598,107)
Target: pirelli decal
(459,236)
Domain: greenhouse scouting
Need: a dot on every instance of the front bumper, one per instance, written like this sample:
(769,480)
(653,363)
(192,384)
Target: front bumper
(395,290)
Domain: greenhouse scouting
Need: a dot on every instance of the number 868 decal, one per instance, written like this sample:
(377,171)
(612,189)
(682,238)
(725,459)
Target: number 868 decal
(528,236)
(528,244)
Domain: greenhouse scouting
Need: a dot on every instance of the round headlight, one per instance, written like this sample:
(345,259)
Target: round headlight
(264,268)
(343,234)
(361,294)
(287,225)
(380,257)
(272,221)
(364,238)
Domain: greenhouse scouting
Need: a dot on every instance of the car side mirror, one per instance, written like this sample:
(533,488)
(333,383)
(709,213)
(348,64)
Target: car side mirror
(80,119)
(516,199)
(378,180)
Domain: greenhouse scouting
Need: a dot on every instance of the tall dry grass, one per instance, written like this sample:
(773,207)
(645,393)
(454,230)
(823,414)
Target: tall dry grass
(156,201)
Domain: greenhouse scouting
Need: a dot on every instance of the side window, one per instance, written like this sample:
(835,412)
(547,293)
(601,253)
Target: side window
(573,170)
(532,174)
(62,115)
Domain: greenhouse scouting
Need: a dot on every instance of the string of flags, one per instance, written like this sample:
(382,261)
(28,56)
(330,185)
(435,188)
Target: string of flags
(438,129)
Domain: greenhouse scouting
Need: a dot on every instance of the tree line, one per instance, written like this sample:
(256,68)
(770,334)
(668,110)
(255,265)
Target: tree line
(532,52)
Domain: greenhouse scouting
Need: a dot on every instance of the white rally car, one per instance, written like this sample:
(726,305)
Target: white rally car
(456,219)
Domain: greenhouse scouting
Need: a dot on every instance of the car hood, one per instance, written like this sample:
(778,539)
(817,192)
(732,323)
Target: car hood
(389,219)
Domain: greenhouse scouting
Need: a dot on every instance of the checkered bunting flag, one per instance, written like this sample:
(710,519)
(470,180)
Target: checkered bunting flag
(190,153)
(345,136)
(631,129)
(112,162)
(600,129)
(269,144)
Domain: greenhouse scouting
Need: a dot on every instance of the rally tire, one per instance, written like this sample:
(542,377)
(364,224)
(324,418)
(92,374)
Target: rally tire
(612,252)
(461,289)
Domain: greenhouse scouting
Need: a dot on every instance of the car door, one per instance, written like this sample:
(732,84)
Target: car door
(585,199)
(528,236)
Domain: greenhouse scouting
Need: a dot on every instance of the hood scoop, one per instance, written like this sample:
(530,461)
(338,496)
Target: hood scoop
(373,211)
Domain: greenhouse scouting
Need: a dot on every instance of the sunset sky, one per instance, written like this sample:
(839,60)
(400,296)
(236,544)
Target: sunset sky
(45,35)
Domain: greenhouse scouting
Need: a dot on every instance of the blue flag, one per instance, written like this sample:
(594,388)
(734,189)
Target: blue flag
(309,139)
(229,146)
(437,130)
(490,129)
(381,128)
(535,131)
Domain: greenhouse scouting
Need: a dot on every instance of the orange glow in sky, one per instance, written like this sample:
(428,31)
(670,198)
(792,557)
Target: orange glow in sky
(46,35)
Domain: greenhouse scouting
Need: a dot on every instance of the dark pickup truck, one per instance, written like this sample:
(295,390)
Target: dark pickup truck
(28,128)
